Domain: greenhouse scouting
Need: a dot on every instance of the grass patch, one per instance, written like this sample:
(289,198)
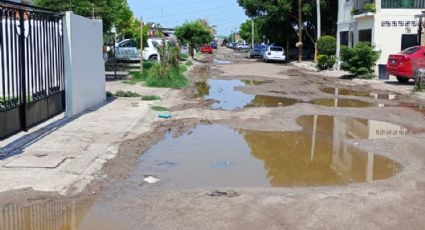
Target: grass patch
(189,63)
(159,108)
(121,93)
(151,98)
(137,76)
(172,78)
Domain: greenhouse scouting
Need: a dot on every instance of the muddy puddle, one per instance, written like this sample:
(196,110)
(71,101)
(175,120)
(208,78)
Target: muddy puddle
(351,103)
(227,98)
(215,155)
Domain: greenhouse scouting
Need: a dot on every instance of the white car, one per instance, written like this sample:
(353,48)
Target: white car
(274,53)
(150,52)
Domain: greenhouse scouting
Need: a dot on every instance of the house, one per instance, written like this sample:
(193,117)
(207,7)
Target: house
(389,25)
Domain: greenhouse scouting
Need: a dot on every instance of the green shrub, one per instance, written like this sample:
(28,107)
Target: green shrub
(137,76)
(322,62)
(359,60)
(121,93)
(370,7)
(326,45)
(189,63)
(151,98)
(167,77)
(325,62)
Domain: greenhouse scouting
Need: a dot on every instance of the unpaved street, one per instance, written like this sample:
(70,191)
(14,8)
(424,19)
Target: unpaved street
(251,145)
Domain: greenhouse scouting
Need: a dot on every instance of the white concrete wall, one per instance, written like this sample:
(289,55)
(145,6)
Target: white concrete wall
(84,65)
(386,39)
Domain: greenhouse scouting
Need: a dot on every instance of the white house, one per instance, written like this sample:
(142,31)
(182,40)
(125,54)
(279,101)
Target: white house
(390,29)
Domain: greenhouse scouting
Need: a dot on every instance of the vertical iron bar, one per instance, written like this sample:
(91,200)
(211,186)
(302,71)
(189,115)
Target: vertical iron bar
(3,99)
(22,72)
(38,57)
(15,60)
(45,57)
(31,38)
(7,55)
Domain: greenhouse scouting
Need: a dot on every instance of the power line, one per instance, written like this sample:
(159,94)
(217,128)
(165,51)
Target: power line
(177,5)
(193,12)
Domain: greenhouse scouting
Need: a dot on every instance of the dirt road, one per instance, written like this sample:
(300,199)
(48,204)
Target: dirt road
(257,146)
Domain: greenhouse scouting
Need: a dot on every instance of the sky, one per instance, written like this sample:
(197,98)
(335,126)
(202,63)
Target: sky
(225,14)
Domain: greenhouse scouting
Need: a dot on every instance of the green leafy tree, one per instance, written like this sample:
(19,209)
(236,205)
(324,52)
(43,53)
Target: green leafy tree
(112,12)
(194,34)
(246,31)
(276,19)
(359,60)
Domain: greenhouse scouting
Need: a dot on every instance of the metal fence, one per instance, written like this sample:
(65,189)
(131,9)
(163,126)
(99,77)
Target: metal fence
(405,4)
(31,66)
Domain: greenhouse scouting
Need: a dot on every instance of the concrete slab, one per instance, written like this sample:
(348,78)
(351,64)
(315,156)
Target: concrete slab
(37,160)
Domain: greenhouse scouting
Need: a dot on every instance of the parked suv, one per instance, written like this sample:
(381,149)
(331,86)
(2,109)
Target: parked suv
(127,51)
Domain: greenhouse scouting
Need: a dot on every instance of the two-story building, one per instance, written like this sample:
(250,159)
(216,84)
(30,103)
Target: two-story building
(389,25)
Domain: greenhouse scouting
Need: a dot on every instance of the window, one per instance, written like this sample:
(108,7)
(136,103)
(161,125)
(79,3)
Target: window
(343,41)
(411,50)
(275,48)
(365,36)
(404,4)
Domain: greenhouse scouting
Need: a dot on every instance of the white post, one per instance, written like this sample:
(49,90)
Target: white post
(141,45)
(319,20)
(252,33)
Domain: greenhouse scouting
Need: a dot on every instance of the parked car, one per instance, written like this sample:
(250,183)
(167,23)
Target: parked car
(243,46)
(150,52)
(234,45)
(126,51)
(214,45)
(206,49)
(402,64)
(256,51)
(274,53)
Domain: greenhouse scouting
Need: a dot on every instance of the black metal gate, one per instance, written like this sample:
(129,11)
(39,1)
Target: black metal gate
(31,67)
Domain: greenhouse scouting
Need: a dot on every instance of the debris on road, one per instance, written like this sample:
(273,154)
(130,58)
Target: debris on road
(151,179)
(229,193)
(164,115)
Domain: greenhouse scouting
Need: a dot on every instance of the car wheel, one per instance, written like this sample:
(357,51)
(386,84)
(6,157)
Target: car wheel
(402,79)
(153,58)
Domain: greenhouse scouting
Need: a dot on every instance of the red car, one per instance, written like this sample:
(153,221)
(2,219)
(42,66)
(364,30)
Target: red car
(207,49)
(402,64)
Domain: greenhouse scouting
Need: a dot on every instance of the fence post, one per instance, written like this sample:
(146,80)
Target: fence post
(22,55)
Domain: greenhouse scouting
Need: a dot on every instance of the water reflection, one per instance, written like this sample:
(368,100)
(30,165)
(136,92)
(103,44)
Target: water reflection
(315,156)
(336,102)
(42,216)
(223,91)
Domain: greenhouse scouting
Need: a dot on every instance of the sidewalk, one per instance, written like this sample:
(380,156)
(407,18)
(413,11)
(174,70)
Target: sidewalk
(64,155)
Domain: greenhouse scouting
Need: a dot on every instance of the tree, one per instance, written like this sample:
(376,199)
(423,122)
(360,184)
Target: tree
(246,31)
(277,20)
(194,33)
(112,12)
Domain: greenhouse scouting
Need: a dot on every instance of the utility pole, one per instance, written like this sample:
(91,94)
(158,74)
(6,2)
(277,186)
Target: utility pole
(300,33)
(252,33)
(92,10)
(319,29)
(141,45)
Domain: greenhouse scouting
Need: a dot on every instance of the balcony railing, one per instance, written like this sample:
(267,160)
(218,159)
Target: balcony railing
(403,4)
(364,6)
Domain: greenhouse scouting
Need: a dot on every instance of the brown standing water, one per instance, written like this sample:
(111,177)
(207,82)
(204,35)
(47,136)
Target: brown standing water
(227,98)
